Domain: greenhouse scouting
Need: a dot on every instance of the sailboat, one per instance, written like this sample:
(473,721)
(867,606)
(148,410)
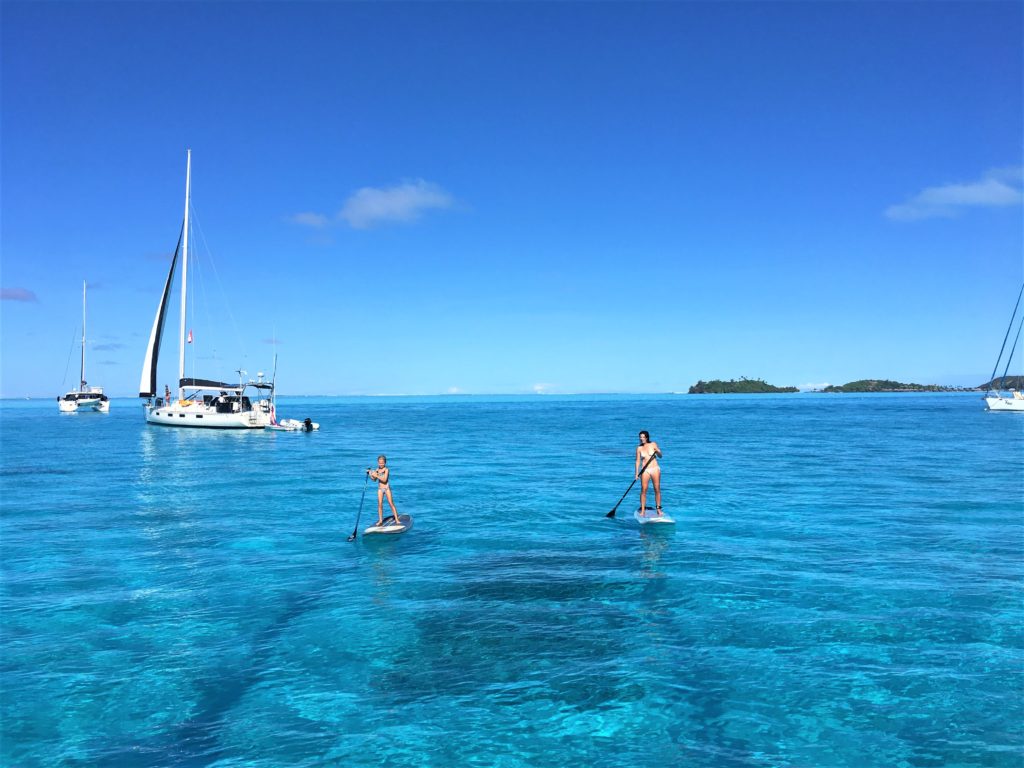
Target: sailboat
(200,403)
(1013,400)
(85,398)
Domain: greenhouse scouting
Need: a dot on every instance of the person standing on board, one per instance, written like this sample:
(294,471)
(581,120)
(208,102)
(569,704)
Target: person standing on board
(383,477)
(647,462)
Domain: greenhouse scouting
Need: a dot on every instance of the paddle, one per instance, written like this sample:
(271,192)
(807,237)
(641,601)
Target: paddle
(612,513)
(360,513)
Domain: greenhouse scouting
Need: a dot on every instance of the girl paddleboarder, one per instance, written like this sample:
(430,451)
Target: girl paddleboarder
(646,460)
(383,476)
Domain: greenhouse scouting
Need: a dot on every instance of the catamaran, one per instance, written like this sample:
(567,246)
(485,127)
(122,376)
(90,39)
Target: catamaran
(202,403)
(1001,399)
(85,398)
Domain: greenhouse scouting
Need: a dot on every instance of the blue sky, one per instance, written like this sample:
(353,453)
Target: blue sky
(514,197)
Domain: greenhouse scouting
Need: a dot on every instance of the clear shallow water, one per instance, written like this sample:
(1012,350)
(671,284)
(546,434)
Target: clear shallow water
(843,587)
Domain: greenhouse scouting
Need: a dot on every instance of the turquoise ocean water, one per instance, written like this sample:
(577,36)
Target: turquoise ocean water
(843,587)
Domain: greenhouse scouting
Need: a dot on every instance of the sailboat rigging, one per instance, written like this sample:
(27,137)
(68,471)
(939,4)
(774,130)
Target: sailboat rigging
(995,399)
(200,403)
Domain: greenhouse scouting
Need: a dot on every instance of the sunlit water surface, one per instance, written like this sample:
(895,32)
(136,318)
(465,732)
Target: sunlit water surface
(843,586)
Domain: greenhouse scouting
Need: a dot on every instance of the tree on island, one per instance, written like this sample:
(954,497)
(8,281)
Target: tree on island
(744,386)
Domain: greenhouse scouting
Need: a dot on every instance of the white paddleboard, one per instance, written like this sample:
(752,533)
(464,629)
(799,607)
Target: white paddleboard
(649,516)
(389,525)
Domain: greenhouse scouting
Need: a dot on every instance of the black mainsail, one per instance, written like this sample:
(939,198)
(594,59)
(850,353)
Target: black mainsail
(147,384)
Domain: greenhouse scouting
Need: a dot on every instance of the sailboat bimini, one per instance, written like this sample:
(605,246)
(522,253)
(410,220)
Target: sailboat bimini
(201,403)
(85,398)
(994,398)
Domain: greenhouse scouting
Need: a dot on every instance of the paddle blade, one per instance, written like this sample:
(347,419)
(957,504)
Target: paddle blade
(611,514)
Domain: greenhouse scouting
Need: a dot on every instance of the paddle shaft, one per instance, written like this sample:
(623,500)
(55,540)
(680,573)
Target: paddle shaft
(612,513)
(360,512)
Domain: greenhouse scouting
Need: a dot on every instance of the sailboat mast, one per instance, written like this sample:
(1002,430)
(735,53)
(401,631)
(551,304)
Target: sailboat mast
(81,374)
(184,277)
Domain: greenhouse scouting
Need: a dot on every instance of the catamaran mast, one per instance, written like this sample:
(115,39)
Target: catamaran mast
(184,278)
(81,373)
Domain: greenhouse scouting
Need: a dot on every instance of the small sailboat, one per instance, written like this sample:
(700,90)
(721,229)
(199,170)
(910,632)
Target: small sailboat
(1001,398)
(200,403)
(85,398)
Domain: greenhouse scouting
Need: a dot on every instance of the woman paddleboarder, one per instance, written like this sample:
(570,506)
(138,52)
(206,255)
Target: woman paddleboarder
(383,475)
(647,462)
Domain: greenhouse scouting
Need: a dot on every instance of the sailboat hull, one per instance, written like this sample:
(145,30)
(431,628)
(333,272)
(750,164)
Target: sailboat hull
(200,416)
(1004,403)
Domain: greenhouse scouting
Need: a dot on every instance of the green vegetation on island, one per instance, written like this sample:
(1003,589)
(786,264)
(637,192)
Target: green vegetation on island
(885,385)
(744,386)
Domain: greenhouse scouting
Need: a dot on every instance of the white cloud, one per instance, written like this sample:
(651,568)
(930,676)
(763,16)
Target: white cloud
(369,206)
(541,389)
(998,187)
(17,294)
(403,202)
(454,391)
(309,219)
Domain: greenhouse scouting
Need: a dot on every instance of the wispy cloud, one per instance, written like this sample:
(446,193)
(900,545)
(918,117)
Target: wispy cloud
(373,206)
(272,341)
(17,294)
(998,187)
(407,201)
(107,347)
(309,219)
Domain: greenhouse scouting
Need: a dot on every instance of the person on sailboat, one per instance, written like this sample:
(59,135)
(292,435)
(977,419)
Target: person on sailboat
(647,462)
(167,394)
(383,477)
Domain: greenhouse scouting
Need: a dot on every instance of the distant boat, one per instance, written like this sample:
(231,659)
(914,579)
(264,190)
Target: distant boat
(999,398)
(201,403)
(85,398)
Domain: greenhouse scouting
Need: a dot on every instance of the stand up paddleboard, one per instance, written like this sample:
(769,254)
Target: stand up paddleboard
(649,516)
(389,525)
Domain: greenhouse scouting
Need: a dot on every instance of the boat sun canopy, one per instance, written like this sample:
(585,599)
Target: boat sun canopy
(209,384)
(147,384)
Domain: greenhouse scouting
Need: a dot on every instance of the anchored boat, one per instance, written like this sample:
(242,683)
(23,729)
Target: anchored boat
(201,403)
(85,398)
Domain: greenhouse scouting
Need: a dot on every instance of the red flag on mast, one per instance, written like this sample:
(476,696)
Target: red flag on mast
(189,335)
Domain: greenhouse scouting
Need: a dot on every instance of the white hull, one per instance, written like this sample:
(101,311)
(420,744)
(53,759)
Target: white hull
(83,405)
(294,425)
(200,416)
(1004,403)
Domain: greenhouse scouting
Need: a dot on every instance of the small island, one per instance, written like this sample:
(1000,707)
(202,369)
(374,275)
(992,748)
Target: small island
(885,385)
(1004,383)
(744,386)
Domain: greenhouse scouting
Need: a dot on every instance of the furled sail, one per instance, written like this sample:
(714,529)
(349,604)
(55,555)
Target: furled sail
(147,384)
